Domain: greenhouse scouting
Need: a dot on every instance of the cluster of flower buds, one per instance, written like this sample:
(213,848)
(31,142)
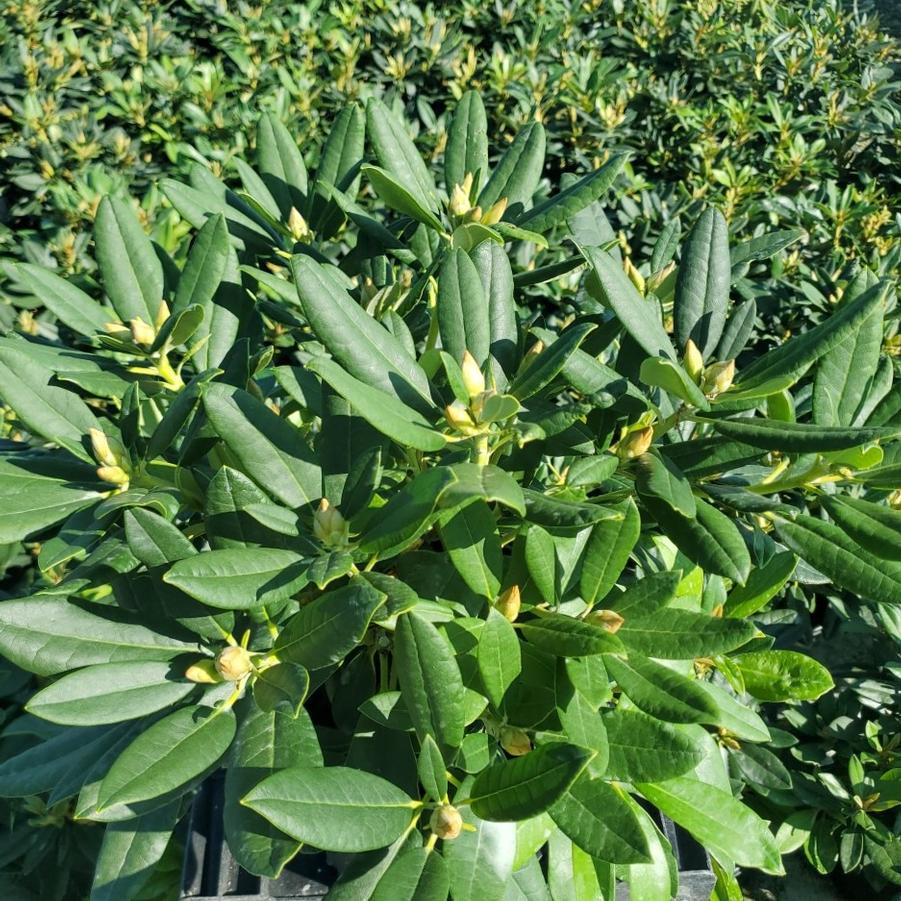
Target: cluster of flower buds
(713,379)
(233,663)
(140,333)
(112,457)
(329,526)
(462,210)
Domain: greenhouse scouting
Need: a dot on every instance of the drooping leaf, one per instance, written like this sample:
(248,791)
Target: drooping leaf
(607,553)
(643,748)
(498,656)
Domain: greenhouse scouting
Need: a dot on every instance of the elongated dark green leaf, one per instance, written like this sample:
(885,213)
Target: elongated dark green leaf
(573,199)
(541,562)
(674,634)
(109,693)
(525,786)
(395,196)
(875,527)
(416,874)
(738,329)
(467,142)
(489,482)
(342,151)
(765,246)
(725,826)
(498,657)
(47,635)
(397,154)
(783,675)
(131,271)
(68,303)
(282,687)
(154,540)
(639,316)
(788,362)
(382,411)
(800,437)
(827,548)
(239,578)
(550,362)
(518,171)
(607,553)
(710,539)
(647,595)
(269,448)
(264,744)
(658,477)
(494,270)
(430,680)
(471,539)
(49,411)
(565,636)
(334,808)
(367,350)
(281,165)
(130,851)
(462,308)
(734,716)
(326,630)
(661,691)
(642,748)
(702,285)
(762,585)
(169,754)
(597,818)
(204,267)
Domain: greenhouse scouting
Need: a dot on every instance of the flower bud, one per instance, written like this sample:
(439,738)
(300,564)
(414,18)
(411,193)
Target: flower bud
(298,227)
(458,417)
(473,380)
(446,822)
(694,362)
(329,526)
(233,663)
(107,452)
(162,315)
(117,330)
(115,475)
(609,620)
(495,212)
(635,276)
(509,602)
(459,204)
(719,377)
(141,332)
(635,443)
(515,741)
(203,671)
(475,214)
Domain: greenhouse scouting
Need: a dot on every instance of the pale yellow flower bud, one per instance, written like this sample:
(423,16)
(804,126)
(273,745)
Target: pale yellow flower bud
(635,276)
(446,822)
(298,226)
(473,380)
(115,475)
(719,377)
(162,315)
(509,603)
(459,201)
(329,526)
(694,362)
(141,332)
(609,620)
(103,451)
(495,212)
(203,671)
(515,741)
(458,418)
(233,663)
(635,443)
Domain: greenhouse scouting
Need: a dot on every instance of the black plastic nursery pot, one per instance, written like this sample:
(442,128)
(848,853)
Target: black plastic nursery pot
(210,873)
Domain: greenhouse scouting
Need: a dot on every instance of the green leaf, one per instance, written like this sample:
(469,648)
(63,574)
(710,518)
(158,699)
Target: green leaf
(764,583)
(597,818)
(643,748)
(430,681)
(800,437)
(669,375)
(239,578)
(518,171)
(550,362)
(416,874)
(281,164)
(828,549)
(493,266)
(584,726)
(702,284)
(788,362)
(154,540)
(875,527)
(783,676)
(523,787)
(565,636)
(367,350)
(563,516)
(333,808)
(283,686)
(541,562)
(382,411)
(765,246)
(657,477)
(265,743)
(730,830)
(498,656)
(341,154)
(397,154)
(431,769)
(462,308)
(571,200)
(710,539)
(489,482)
(69,304)
(674,634)
(327,629)
(648,594)
(639,316)
(661,691)
(129,852)
(394,195)
(607,553)
(109,693)
(48,635)
(472,542)
(268,447)
(43,408)
(172,752)
(734,716)
(131,271)
(467,142)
